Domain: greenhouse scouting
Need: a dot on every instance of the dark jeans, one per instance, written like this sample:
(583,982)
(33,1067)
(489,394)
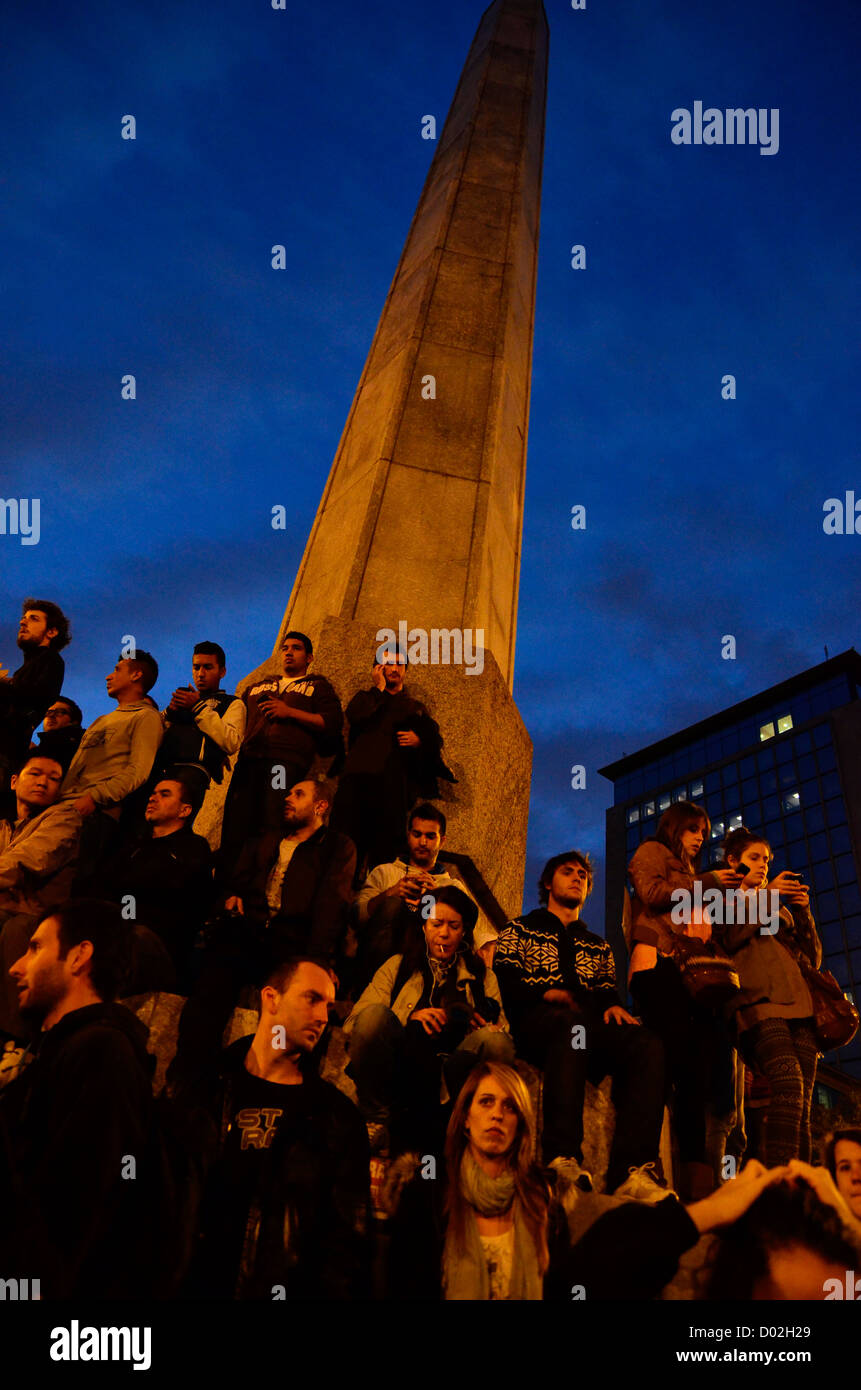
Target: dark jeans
(396,1069)
(698,1051)
(631,1055)
(372,809)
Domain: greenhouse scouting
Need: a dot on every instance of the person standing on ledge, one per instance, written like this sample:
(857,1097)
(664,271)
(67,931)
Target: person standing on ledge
(394,757)
(25,695)
(292,719)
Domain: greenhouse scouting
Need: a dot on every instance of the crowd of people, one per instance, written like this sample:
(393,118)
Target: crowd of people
(240,849)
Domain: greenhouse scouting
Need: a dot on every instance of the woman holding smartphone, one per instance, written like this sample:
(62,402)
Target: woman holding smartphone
(774,1012)
(663,935)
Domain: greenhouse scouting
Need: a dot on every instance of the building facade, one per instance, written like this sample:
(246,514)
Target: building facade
(786,762)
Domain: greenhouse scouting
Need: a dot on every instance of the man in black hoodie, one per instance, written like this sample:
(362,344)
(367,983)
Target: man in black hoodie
(78,1208)
(26,695)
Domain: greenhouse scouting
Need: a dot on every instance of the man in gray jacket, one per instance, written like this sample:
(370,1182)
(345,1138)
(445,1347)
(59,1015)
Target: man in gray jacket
(114,759)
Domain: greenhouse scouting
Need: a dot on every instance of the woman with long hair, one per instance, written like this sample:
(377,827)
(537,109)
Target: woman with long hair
(488,1226)
(773,1014)
(497,1208)
(667,928)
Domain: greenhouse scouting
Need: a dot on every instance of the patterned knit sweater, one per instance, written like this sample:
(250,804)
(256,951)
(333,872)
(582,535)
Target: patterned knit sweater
(537,952)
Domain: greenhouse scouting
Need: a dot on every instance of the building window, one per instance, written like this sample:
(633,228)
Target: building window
(664,802)
(791,802)
(784,723)
(766,731)
(633,814)
(717,830)
(648,810)
(735,822)
(696,790)
(680,794)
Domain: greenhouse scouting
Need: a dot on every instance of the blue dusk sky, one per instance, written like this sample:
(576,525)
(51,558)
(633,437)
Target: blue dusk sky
(704,516)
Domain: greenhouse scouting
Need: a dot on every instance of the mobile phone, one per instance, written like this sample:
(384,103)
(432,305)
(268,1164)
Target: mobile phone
(743,869)
(790,873)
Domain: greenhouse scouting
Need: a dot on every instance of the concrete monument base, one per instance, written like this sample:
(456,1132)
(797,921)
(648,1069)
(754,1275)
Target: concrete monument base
(486,746)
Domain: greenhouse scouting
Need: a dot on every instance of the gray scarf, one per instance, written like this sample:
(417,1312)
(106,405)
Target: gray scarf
(465,1274)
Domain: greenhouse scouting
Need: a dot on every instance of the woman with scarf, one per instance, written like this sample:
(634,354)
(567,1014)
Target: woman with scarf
(434,1007)
(484,1228)
(489,1227)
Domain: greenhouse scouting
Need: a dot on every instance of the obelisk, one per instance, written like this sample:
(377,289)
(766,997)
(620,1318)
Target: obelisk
(420,520)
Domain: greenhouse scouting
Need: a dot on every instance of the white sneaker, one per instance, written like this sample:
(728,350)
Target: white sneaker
(642,1185)
(573,1173)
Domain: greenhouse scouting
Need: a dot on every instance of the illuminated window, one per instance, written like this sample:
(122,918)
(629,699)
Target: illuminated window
(648,810)
(717,830)
(664,802)
(766,731)
(680,794)
(633,814)
(784,723)
(734,822)
(791,801)
(696,790)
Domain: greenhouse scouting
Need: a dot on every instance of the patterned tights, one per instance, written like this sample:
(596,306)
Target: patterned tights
(785,1050)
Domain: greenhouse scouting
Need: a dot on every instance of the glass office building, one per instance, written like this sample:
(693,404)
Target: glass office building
(786,762)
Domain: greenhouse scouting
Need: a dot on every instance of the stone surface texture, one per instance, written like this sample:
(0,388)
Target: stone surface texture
(422,513)
(420,521)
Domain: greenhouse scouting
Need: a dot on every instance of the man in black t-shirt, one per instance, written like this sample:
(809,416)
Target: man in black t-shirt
(286,1205)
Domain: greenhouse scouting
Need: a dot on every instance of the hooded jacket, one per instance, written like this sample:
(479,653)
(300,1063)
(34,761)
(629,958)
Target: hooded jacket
(69,1124)
(286,740)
